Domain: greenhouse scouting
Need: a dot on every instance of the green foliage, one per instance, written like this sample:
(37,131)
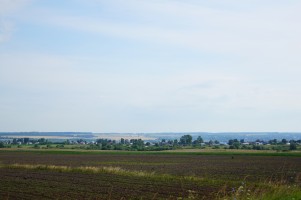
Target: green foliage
(67,142)
(277,147)
(273,142)
(186,140)
(262,191)
(283,141)
(25,140)
(235,145)
(14,141)
(60,146)
(293,146)
(198,141)
(258,147)
(42,141)
(246,147)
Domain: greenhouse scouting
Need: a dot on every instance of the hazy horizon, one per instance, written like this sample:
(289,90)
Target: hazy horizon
(150,66)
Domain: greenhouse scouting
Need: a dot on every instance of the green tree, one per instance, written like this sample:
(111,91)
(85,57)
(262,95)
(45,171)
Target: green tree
(42,141)
(293,146)
(231,142)
(186,140)
(273,142)
(26,140)
(283,141)
(14,141)
(234,144)
(199,140)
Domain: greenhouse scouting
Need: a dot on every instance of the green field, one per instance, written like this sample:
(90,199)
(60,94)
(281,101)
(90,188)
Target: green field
(70,174)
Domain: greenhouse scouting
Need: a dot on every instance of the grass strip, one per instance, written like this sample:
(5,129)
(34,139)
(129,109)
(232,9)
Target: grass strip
(113,152)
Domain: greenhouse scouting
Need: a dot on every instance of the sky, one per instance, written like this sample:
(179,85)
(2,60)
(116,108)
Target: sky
(150,66)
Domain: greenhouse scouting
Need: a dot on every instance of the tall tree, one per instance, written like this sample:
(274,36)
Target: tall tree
(186,140)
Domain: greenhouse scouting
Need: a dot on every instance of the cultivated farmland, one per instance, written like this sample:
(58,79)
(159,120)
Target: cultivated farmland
(121,175)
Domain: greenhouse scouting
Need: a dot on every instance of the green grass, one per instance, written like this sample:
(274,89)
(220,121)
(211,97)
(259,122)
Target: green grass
(114,152)
(266,191)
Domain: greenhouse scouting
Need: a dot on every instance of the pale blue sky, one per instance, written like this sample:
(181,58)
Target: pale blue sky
(150,66)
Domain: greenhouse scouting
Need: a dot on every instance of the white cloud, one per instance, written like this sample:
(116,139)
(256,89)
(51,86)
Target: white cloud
(62,85)
(261,32)
(6,28)
(257,78)
(7,9)
(11,6)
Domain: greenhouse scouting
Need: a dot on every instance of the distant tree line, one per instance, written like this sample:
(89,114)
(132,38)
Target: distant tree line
(185,141)
(262,145)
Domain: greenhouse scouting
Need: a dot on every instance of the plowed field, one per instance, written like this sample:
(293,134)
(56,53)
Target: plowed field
(202,176)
